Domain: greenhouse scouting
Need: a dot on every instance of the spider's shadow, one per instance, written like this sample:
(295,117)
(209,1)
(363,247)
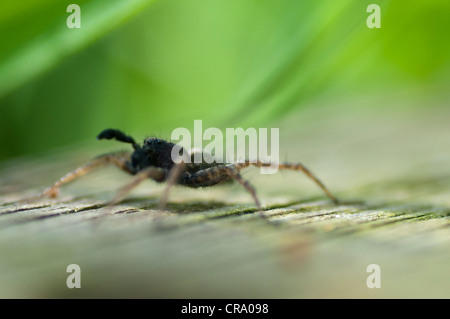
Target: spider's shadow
(199,206)
(151,203)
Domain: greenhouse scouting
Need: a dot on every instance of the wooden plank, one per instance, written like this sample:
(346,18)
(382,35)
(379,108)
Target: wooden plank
(210,243)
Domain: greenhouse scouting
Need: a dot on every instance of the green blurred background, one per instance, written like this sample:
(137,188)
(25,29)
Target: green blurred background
(149,66)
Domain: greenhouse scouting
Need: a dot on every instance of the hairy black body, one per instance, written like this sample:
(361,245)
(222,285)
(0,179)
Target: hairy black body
(154,160)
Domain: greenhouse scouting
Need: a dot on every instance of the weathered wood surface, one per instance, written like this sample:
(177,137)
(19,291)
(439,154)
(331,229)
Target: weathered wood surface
(391,167)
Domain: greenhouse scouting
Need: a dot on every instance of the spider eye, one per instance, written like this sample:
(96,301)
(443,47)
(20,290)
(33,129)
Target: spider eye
(151,140)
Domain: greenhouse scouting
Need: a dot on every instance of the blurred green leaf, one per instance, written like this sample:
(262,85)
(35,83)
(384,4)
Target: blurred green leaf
(228,62)
(37,37)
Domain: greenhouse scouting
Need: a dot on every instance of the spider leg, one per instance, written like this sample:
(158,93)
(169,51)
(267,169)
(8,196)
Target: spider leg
(238,177)
(118,159)
(152,172)
(173,178)
(295,167)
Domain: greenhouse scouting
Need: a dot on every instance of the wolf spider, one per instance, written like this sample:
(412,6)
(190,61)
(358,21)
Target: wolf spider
(153,160)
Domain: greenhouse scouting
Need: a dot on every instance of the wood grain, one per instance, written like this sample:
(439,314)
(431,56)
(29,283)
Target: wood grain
(390,168)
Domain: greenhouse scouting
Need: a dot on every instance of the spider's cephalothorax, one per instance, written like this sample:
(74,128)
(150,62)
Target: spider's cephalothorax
(154,160)
(154,152)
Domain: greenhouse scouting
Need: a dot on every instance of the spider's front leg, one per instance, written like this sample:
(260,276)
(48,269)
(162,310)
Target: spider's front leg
(155,173)
(173,178)
(119,159)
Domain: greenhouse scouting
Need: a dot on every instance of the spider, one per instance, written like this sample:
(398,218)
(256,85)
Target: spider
(153,160)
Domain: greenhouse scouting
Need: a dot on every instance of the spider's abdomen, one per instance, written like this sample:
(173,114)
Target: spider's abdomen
(210,176)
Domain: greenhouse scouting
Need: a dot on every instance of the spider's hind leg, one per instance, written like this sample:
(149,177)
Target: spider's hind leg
(297,167)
